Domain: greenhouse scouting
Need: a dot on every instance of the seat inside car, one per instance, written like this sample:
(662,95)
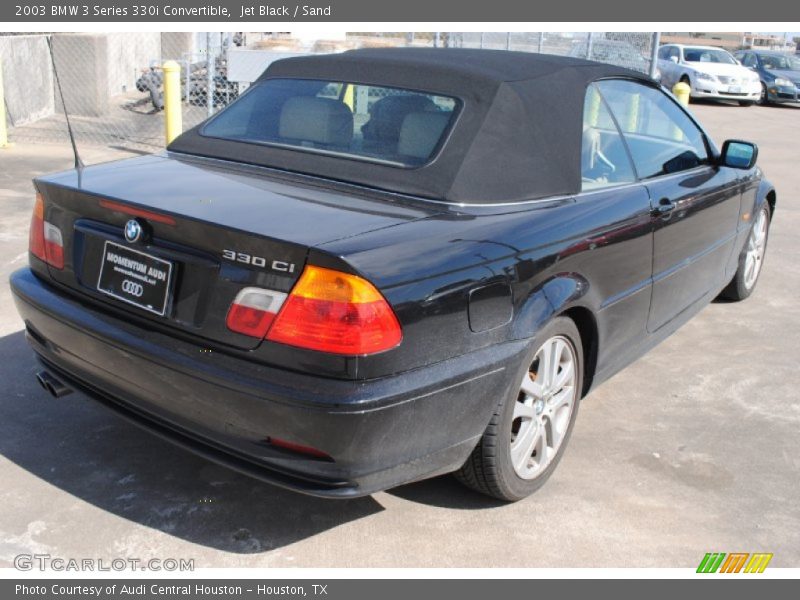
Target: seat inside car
(387,116)
(595,165)
(316,123)
(419,134)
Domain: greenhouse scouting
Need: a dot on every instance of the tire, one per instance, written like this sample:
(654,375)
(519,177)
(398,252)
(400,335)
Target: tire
(532,421)
(763,100)
(746,102)
(744,282)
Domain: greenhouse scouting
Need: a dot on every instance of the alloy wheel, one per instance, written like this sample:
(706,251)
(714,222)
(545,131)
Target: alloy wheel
(756,245)
(543,408)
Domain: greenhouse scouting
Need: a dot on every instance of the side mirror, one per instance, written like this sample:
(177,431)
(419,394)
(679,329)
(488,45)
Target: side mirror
(738,154)
(674,59)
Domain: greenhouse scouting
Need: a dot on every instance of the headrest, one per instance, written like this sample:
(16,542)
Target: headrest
(420,133)
(387,114)
(318,120)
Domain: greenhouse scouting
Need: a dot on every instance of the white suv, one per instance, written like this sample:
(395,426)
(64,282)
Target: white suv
(710,72)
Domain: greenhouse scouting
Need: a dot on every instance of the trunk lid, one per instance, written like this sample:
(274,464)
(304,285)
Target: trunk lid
(211,228)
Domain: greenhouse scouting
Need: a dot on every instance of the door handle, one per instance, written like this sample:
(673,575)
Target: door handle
(665,207)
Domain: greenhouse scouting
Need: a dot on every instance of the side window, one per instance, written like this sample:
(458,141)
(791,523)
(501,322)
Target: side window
(749,60)
(661,137)
(673,51)
(663,52)
(604,159)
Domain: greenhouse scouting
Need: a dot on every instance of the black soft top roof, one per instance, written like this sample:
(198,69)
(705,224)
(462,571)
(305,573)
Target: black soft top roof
(451,67)
(517,137)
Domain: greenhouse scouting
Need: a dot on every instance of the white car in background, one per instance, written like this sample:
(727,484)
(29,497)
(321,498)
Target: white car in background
(710,72)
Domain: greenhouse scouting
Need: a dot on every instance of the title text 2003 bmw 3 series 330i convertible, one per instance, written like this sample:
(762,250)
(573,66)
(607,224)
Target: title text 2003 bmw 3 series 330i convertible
(389,264)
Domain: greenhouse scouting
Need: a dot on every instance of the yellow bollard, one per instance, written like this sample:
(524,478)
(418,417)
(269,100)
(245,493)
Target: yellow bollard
(682,92)
(3,128)
(349,99)
(593,109)
(173,125)
(633,114)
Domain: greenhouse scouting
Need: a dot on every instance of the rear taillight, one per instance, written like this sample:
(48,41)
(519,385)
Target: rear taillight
(137,212)
(45,241)
(36,239)
(253,311)
(53,246)
(336,312)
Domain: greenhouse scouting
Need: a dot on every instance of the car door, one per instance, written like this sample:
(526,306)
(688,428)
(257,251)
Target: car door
(620,239)
(695,204)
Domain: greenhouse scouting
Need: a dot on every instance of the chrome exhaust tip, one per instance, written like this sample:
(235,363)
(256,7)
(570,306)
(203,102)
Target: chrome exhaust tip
(54,386)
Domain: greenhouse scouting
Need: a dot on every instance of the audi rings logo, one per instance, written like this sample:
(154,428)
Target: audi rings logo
(132,288)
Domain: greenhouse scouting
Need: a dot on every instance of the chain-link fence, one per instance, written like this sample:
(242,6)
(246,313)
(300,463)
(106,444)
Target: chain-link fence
(633,50)
(112,83)
(630,50)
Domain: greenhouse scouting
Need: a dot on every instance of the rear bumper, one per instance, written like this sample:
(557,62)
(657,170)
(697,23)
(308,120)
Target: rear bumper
(379,433)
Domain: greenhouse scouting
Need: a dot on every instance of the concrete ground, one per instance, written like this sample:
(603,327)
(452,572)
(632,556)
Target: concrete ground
(694,448)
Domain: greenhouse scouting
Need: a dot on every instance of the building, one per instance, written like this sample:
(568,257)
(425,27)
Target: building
(732,40)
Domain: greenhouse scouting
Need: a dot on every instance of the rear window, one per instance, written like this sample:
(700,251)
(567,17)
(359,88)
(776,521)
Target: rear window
(388,125)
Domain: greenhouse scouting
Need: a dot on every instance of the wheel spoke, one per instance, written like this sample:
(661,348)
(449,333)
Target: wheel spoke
(749,267)
(558,353)
(545,366)
(531,388)
(561,399)
(524,410)
(548,367)
(522,446)
(558,417)
(550,440)
(565,377)
(543,453)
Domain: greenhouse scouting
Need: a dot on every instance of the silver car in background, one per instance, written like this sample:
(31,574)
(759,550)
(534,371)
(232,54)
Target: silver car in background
(710,73)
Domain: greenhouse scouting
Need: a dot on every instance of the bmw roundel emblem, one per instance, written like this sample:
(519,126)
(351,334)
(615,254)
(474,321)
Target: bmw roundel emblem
(133,231)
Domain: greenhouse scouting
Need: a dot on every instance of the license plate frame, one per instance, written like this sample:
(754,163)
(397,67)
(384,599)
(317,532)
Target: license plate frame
(128,282)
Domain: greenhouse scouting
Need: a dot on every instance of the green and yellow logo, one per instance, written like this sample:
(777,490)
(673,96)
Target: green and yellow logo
(735,562)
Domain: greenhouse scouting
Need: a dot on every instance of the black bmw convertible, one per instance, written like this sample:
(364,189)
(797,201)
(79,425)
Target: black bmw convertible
(385,265)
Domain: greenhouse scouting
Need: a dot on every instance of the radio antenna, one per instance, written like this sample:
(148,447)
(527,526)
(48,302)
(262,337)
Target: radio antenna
(78,161)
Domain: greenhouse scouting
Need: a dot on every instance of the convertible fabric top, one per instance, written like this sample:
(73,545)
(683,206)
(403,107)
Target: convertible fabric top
(518,135)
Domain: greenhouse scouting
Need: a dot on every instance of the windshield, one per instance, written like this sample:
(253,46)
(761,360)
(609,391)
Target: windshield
(781,63)
(708,55)
(394,126)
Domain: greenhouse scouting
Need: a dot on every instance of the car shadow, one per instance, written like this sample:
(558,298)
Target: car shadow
(783,105)
(709,102)
(89,452)
(445,492)
(734,104)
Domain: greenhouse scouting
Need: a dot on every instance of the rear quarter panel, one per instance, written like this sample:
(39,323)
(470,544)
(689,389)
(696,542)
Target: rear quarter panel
(592,251)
